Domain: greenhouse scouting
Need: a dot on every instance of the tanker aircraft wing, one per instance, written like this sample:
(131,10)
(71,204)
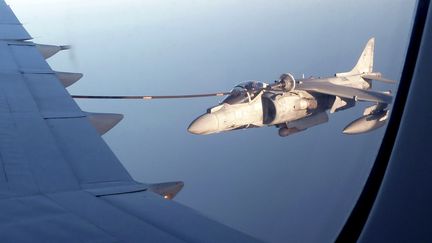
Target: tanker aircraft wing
(59,181)
(325,87)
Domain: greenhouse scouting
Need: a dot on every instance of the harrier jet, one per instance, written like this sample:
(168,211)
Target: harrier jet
(295,105)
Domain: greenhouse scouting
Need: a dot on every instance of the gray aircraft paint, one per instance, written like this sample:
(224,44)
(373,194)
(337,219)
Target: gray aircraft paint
(288,102)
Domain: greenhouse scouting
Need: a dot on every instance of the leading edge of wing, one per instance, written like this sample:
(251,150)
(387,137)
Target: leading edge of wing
(345,91)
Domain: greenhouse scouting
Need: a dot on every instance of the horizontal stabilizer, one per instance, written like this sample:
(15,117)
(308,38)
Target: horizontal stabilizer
(67,79)
(167,189)
(378,77)
(103,122)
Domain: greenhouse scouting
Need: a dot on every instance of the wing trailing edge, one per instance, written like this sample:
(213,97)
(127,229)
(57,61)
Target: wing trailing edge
(324,87)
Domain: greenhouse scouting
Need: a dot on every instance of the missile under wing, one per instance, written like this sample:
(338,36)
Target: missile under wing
(59,181)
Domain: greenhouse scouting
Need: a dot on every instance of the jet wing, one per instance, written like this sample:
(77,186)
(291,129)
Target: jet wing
(59,181)
(325,87)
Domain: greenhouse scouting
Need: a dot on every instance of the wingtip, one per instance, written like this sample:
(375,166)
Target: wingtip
(65,47)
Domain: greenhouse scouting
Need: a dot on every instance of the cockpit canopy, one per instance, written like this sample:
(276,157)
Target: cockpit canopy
(241,92)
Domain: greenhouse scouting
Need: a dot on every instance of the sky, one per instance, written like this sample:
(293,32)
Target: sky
(299,188)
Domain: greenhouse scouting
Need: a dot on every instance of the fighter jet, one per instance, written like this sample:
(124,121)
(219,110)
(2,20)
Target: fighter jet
(294,105)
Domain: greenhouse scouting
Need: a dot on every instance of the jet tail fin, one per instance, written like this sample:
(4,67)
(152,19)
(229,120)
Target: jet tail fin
(365,62)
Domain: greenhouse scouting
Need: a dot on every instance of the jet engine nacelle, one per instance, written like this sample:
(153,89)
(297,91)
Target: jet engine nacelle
(281,108)
(287,82)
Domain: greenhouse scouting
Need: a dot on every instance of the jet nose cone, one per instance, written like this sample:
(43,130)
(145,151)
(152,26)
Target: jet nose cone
(205,124)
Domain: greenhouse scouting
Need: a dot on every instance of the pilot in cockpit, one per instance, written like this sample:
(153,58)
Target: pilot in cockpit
(244,92)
